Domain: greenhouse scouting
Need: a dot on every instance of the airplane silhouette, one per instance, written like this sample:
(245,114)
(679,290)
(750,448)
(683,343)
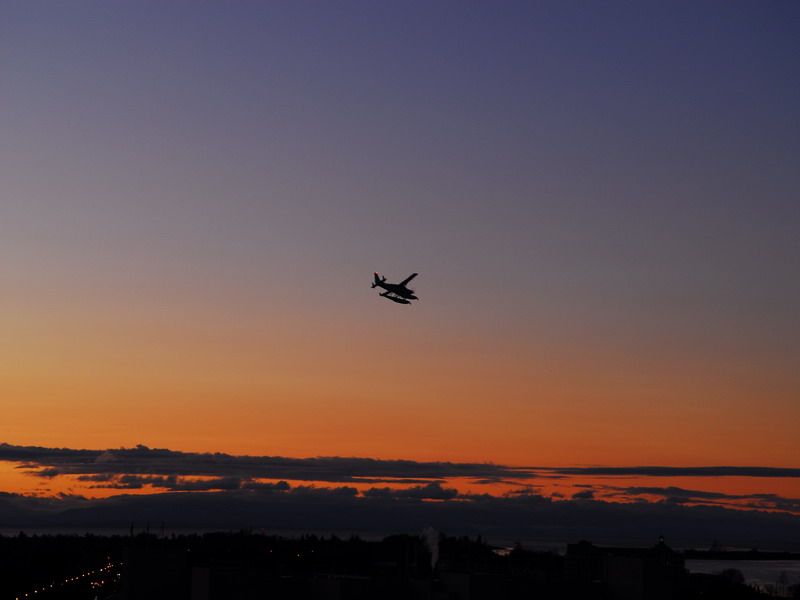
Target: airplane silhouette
(396,292)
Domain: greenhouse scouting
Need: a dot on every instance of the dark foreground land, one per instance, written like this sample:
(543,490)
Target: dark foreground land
(249,566)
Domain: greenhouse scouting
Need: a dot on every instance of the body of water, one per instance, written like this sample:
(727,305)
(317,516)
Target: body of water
(763,573)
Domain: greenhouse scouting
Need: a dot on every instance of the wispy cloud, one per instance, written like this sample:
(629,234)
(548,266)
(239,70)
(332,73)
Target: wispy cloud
(655,471)
(52,462)
(679,495)
(431,491)
(171,483)
(583,495)
(100,464)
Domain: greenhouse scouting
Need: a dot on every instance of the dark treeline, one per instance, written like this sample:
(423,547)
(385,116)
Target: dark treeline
(402,554)
(37,562)
(153,566)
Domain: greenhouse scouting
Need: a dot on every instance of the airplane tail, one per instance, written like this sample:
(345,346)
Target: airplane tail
(378,280)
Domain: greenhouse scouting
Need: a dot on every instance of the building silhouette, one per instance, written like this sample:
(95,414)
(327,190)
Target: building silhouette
(655,573)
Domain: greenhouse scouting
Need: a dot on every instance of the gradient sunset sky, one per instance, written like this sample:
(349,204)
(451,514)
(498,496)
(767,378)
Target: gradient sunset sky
(602,200)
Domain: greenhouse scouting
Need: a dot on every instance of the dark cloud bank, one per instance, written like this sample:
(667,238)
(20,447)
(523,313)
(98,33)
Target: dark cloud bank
(307,508)
(233,495)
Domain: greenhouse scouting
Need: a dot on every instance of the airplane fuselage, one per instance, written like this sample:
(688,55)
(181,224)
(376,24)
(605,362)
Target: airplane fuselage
(399,290)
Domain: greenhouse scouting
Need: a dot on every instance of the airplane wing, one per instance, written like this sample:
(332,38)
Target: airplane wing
(407,279)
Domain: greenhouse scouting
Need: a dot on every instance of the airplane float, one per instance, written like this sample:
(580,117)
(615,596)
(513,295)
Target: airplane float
(396,292)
